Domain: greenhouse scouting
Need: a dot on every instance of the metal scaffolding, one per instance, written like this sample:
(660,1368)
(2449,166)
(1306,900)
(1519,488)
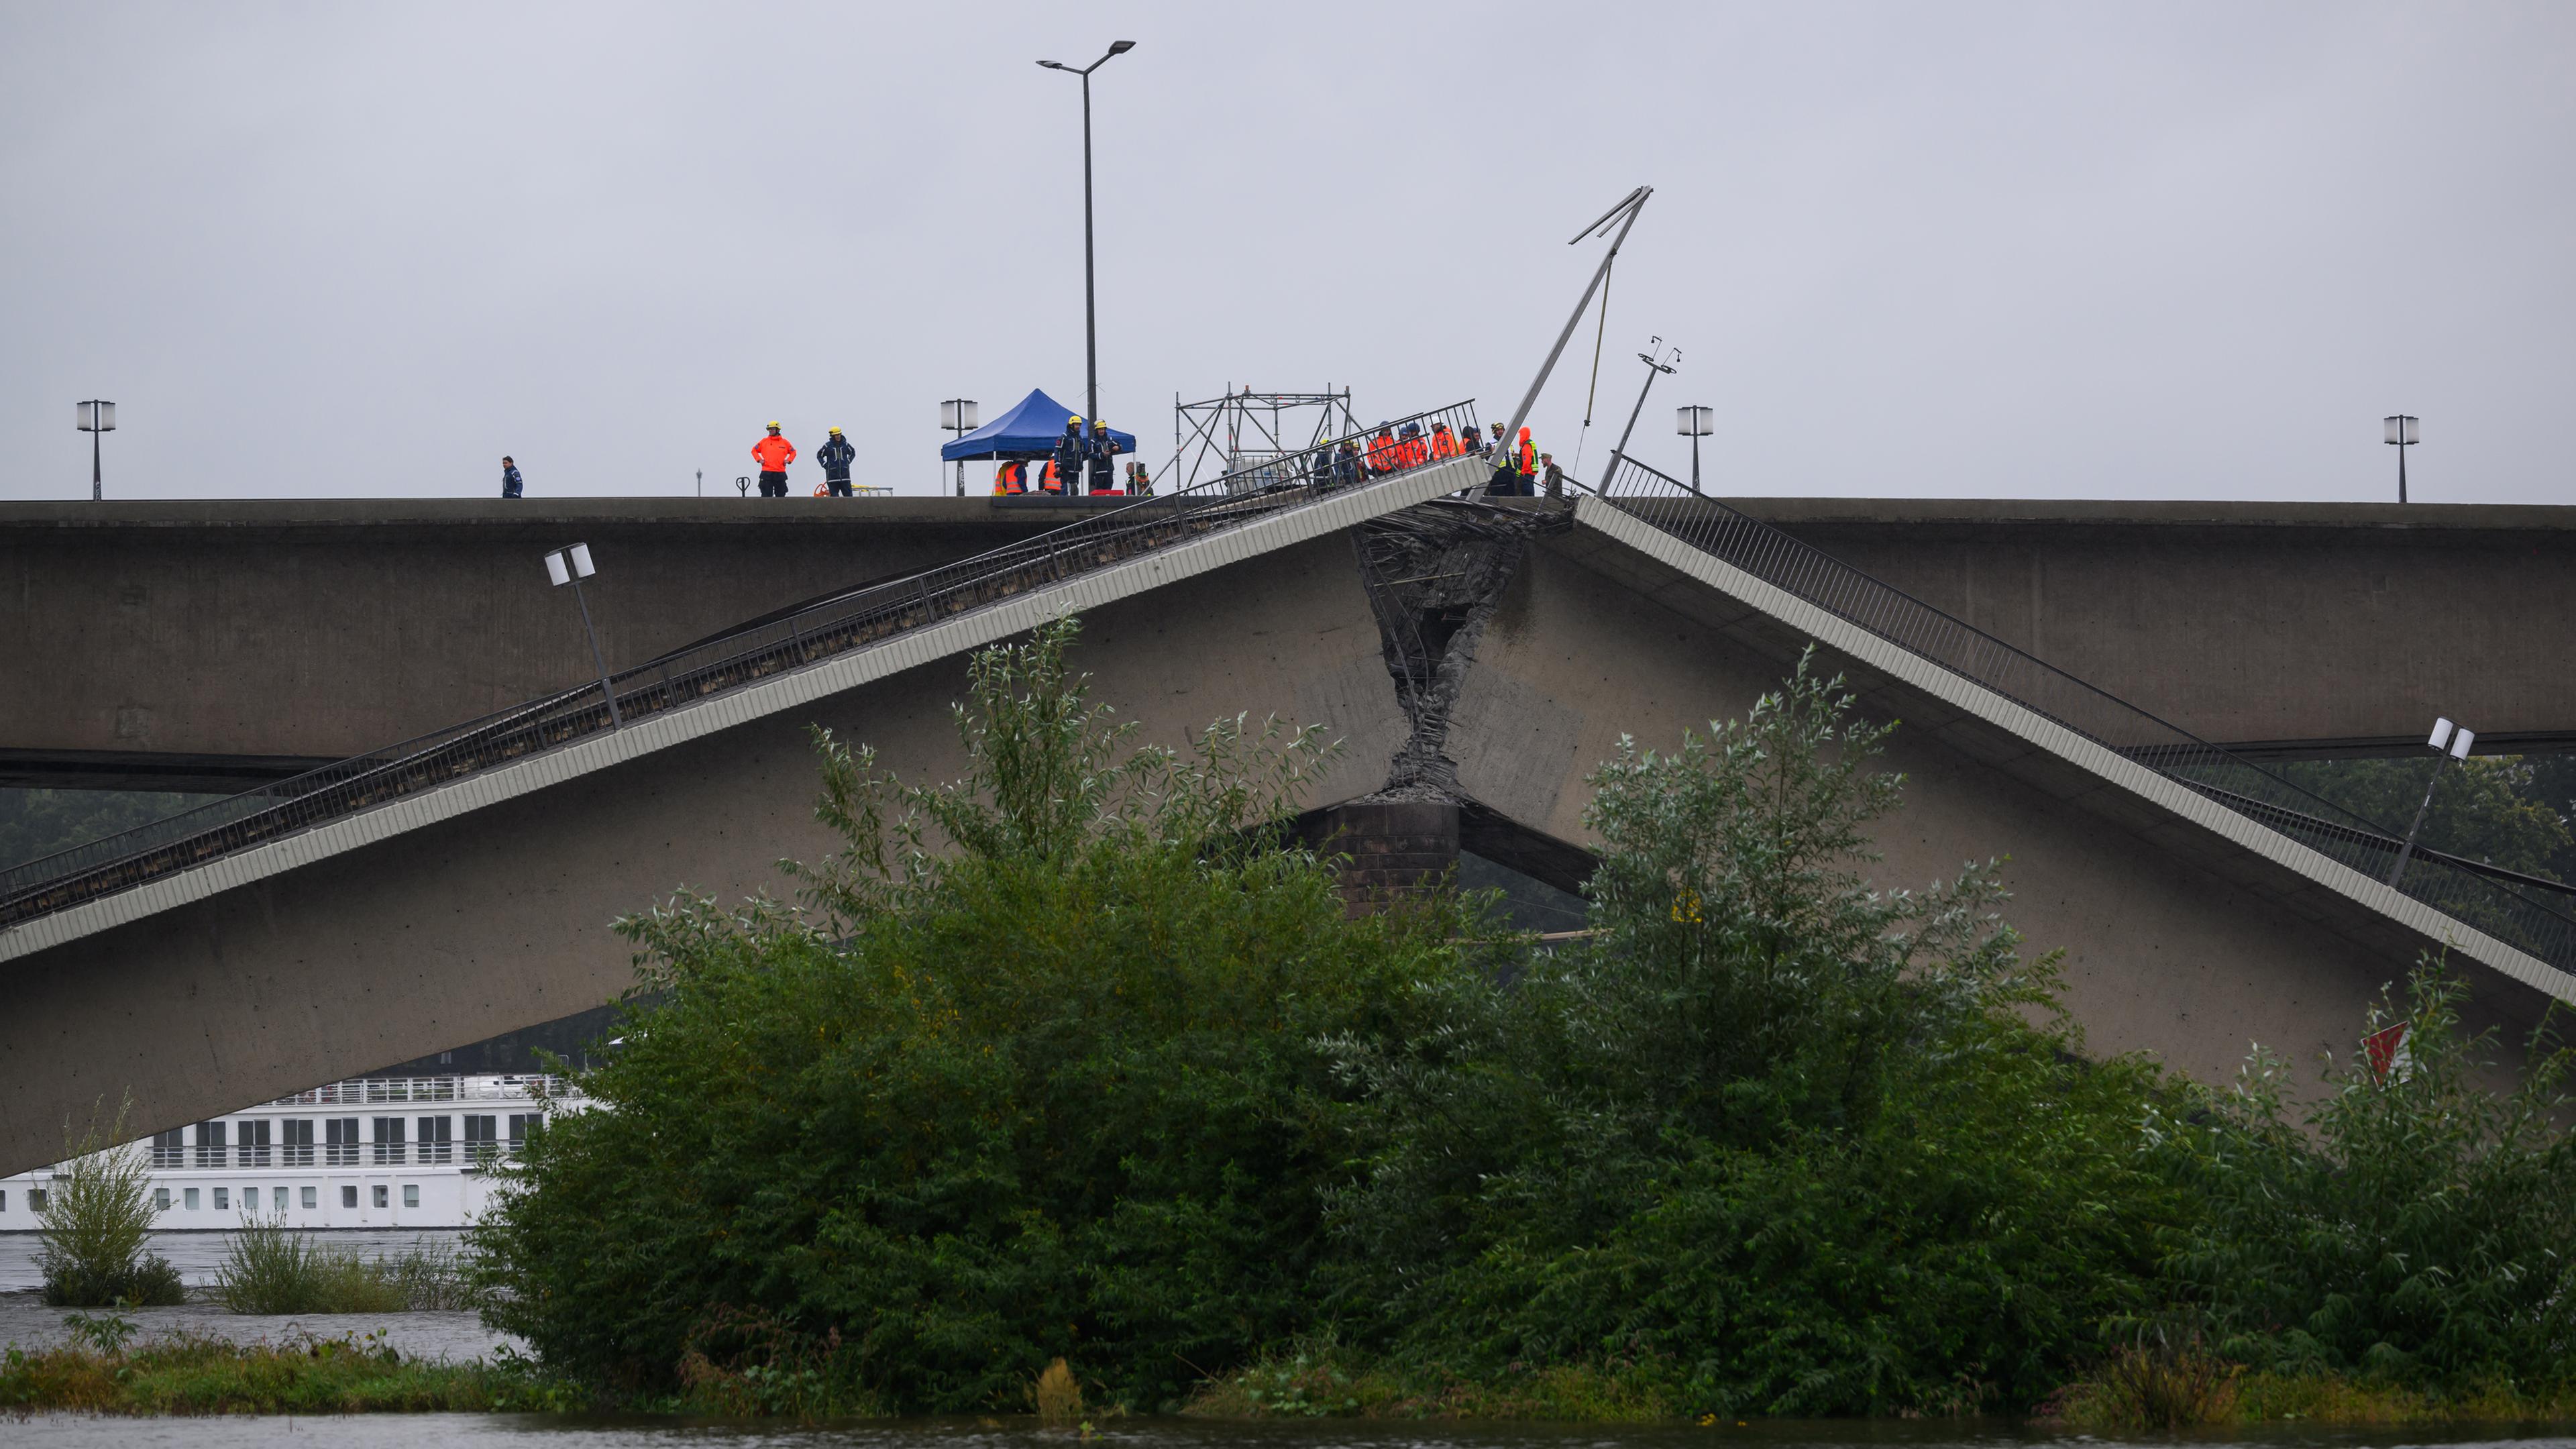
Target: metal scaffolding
(1245,432)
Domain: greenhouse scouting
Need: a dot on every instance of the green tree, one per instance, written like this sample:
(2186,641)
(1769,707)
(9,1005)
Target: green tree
(1028,1071)
(2491,809)
(1779,1137)
(2408,1226)
(38,823)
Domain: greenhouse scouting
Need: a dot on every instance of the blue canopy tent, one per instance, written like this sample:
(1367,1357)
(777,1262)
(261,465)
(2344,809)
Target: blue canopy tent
(1028,430)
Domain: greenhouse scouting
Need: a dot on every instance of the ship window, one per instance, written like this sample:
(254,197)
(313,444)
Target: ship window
(170,1149)
(161,1198)
(210,1144)
(223,1199)
(411,1194)
(308,1197)
(349,1195)
(380,1194)
(480,1146)
(252,1138)
(437,1139)
(191,1199)
(389,1140)
(523,1125)
(35,1199)
(295,1142)
(341,1147)
(4,1199)
(277,1198)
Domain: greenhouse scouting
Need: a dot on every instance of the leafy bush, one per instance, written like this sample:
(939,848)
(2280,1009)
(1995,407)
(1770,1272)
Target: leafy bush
(2412,1228)
(96,1220)
(1048,1093)
(1784,1143)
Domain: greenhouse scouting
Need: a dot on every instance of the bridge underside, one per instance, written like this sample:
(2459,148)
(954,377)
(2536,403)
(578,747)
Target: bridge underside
(2179,942)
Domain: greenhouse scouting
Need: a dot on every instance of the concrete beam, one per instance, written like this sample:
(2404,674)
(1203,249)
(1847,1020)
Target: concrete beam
(149,640)
(482,921)
(2186,936)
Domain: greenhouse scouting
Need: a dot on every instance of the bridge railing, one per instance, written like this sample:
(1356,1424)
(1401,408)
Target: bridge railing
(730,661)
(2466,892)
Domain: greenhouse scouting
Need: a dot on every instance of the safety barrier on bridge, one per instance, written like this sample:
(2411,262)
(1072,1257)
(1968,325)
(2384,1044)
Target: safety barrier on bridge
(2482,899)
(862,620)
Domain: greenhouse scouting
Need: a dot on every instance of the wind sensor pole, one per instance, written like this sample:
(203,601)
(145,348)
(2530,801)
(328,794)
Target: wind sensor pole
(1628,208)
(1653,370)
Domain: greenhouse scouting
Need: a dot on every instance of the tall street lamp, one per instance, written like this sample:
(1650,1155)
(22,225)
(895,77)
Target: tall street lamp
(96,418)
(2458,739)
(2402,435)
(1090,316)
(571,566)
(959,415)
(1694,424)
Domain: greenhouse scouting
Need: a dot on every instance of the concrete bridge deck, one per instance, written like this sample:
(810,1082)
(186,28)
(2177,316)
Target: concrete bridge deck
(209,645)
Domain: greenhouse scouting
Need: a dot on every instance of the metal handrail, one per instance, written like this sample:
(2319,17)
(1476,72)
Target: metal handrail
(2453,887)
(817,631)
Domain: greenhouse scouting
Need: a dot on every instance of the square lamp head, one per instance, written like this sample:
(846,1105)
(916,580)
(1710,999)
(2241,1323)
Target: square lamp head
(2402,430)
(97,417)
(960,415)
(567,564)
(1694,422)
(2441,733)
(2460,742)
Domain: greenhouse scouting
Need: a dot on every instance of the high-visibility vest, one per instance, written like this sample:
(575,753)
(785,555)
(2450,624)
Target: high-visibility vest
(1415,451)
(1529,458)
(1381,452)
(1050,481)
(1444,444)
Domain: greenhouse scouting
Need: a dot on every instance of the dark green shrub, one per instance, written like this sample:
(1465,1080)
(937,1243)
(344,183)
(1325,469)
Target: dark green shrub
(1048,1092)
(2420,1230)
(1783,1141)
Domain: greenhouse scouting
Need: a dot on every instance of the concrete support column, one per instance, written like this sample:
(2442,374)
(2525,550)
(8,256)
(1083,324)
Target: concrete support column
(1395,848)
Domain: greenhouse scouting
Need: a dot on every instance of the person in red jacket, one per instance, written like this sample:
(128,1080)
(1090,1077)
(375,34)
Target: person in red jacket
(773,454)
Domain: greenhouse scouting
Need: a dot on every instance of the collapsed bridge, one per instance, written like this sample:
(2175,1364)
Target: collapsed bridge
(1477,657)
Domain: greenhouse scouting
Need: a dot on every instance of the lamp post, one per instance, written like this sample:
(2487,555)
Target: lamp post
(1694,424)
(571,566)
(1090,314)
(2402,435)
(96,418)
(2458,740)
(959,415)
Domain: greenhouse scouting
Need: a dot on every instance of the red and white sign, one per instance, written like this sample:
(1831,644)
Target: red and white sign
(2386,1050)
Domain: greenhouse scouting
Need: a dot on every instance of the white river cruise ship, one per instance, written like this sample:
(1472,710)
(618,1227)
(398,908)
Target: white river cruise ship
(374,1152)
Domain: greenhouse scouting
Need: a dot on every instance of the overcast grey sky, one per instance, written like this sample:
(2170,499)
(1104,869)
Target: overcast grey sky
(2046,250)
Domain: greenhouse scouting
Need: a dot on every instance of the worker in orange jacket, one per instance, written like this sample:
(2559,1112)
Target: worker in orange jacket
(773,454)
(1444,443)
(1382,451)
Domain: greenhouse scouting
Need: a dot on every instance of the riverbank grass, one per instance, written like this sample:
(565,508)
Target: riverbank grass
(2115,1402)
(195,1374)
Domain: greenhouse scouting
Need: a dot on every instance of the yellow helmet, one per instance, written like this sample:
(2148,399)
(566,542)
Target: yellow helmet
(836,430)
(1077,417)
(773,422)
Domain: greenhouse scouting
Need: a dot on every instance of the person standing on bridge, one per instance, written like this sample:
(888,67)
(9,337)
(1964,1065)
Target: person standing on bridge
(1064,470)
(1100,451)
(773,454)
(836,455)
(510,484)
(1555,475)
